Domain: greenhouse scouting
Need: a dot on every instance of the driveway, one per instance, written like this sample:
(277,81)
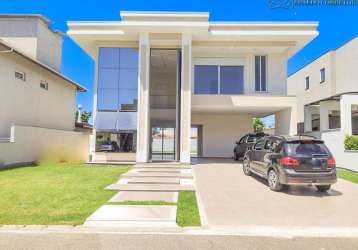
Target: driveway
(229,198)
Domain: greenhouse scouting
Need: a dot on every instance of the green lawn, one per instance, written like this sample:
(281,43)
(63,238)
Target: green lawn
(54,193)
(187,211)
(348,175)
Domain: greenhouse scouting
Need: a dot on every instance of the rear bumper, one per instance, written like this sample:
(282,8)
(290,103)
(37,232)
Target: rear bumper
(291,177)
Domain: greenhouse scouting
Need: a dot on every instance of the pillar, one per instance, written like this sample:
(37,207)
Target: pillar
(143,100)
(185,104)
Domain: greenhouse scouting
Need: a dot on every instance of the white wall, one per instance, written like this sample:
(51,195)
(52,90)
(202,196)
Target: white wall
(221,131)
(32,144)
(25,103)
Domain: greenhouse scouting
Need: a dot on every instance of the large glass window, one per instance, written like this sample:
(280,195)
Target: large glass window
(231,79)
(260,74)
(206,79)
(218,79)
(117,79)
(122,141)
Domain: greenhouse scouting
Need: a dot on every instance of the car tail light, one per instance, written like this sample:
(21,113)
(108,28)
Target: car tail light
(331,162)
(289,161)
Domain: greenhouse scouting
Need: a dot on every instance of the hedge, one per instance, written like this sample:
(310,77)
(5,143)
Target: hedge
(351,142)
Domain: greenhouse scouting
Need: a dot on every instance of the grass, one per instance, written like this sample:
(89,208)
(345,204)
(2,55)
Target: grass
(187,211)
(54,193)
(348,175)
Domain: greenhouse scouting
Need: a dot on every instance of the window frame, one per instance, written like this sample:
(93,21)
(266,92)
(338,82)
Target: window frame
(260,72)
(23,73)
(46,85)
(322,73)
(219,62)
(307,83)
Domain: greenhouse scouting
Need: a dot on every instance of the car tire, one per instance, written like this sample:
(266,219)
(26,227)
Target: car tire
(273,181)
(323,188)
(246,166)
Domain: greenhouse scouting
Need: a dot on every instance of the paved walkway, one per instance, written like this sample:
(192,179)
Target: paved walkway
(228,198)
(158,182)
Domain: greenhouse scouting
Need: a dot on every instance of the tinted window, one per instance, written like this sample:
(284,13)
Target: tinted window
(260,144)
(260,73)
(251,139)
(117,79)
(231,79)
(206,79)
(306,149)
(242,140)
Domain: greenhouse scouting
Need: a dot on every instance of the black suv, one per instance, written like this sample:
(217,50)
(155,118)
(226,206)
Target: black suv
(299,160)
(245,143)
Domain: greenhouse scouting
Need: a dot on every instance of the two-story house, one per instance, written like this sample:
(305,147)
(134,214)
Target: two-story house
(327,99)
(174,85)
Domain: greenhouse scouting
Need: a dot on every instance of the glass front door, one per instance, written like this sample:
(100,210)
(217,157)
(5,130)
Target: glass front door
(163,144)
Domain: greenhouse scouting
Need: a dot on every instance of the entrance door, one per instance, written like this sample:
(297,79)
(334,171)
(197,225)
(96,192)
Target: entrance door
(163,144)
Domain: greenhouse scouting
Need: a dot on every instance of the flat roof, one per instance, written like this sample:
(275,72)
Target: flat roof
(51,70)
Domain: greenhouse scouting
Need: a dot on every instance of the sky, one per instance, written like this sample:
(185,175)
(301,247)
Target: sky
(337,25)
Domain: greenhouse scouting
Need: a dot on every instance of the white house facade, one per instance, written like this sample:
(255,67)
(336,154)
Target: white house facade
(327,99)
(170,86)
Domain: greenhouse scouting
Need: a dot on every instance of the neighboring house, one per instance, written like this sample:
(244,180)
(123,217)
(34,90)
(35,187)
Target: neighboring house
(162,76)
(327,99)
(34,93)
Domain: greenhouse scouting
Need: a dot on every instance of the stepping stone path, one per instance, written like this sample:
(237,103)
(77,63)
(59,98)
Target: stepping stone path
(145,182)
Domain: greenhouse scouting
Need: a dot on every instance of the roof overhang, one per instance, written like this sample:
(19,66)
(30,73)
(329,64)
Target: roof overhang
(9,49)
(87,34)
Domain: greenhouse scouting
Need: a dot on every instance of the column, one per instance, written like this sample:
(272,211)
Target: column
(143,100)
(307,119)
(346,113)
(324,115)
(185,104)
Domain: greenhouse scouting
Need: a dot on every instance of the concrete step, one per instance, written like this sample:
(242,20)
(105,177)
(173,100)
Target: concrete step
(144,196)
(150,187)
(153,180)
(163,170)
(127,215)
(156,175)
(173,166)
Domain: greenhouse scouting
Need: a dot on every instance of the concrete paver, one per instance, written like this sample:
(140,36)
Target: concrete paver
(124,215)
(230,198)
(145,196)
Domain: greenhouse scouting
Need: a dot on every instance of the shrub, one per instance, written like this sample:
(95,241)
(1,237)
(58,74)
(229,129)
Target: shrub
(351,142)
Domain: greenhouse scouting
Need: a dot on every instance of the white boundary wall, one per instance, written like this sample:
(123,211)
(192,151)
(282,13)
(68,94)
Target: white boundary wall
(33,144)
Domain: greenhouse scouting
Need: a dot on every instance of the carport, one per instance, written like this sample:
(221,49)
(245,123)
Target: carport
(228,198)
(224,119)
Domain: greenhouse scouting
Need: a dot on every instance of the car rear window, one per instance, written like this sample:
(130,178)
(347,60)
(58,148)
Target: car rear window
(251,139)
(306,148)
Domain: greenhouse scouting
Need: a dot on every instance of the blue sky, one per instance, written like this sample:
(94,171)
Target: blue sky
(337,25)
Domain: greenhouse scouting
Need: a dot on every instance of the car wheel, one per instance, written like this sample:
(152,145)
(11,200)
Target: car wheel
(246,166)
(273,181)
(323,188)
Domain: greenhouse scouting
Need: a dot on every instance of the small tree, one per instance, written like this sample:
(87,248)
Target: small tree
(85,116)
(258,125)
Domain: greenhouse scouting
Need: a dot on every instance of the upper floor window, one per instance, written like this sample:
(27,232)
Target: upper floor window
(218,79)
(260,73)
(20,75)
(44,85)
(323,75)
(117,79)
(307,86)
